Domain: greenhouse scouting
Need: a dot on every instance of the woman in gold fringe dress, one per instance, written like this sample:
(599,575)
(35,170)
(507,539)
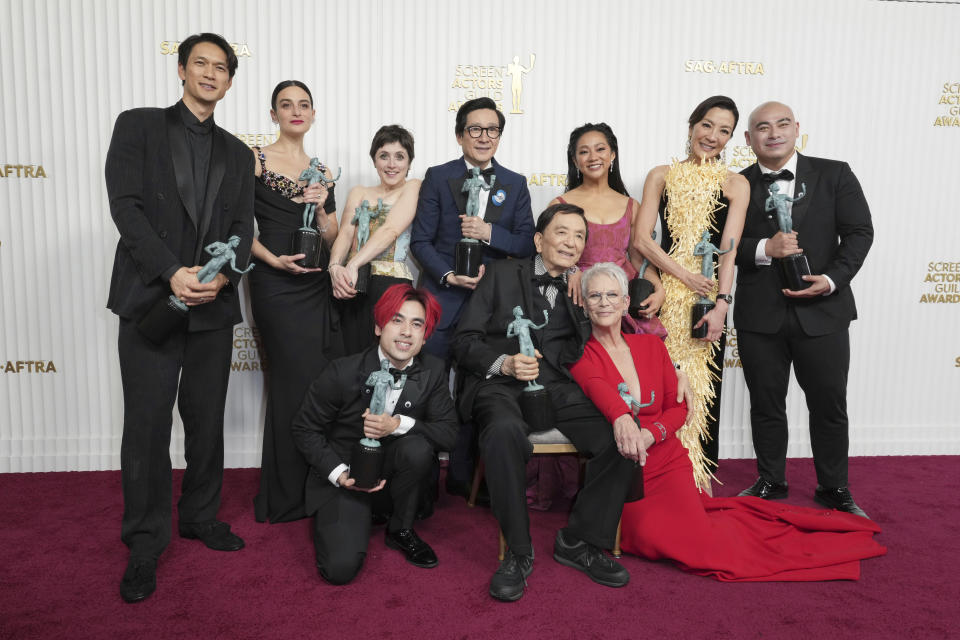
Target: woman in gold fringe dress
(689,197)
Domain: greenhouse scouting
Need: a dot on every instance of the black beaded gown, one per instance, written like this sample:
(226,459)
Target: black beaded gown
(711,447)
(298,332)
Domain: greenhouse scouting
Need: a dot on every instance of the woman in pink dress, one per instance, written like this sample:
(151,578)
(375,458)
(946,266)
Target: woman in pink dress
(594,183)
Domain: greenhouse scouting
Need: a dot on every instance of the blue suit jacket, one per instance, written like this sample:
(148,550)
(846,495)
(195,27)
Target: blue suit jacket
(436,228)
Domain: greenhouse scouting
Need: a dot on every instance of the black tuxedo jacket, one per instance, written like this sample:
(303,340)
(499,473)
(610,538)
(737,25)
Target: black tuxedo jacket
(330,420)
(150,186)
(834,230)
(481,335)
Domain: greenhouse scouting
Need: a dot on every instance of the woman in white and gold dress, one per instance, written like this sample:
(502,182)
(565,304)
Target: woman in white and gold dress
(691,196)
(385,249)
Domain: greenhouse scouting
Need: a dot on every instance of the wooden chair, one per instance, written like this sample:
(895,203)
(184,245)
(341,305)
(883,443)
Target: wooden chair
(551,441)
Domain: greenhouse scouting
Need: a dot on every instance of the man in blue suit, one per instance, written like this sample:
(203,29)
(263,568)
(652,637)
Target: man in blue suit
(504,224)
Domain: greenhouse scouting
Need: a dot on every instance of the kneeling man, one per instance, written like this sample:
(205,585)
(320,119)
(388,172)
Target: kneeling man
(494,376)
(419,418)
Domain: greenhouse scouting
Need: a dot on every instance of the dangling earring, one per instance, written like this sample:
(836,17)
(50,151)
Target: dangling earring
(578,173)
(723,156)
(688,148)
(611,167)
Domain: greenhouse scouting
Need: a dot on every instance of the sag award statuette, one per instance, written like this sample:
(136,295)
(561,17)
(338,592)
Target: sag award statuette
(636,485)
(367,457)
(535,402)
(704,305)
(640,288)
(470,250)
(361,219)
(169,313)
(306,239)
(792,268)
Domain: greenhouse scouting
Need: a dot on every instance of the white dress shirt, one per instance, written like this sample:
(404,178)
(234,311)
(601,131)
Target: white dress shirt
(406,422)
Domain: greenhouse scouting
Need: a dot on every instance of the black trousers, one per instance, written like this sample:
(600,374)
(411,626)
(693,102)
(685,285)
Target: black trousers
(341,528)
(506,449)
(821,364)
(191,368)
(711,447)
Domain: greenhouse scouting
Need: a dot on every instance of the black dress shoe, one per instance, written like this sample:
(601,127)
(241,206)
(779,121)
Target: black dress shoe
(766,490)
(511,577)
(215,534)
(839,499)
(588,558)
(139,580)
(417,551)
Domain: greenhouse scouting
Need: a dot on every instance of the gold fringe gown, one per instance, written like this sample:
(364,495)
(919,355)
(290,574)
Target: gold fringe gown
(693,195)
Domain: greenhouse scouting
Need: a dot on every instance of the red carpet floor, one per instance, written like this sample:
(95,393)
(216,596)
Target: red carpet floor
(61,560)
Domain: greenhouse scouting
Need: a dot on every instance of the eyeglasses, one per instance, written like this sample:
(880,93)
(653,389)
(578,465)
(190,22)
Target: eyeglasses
(594,299)
(492,132)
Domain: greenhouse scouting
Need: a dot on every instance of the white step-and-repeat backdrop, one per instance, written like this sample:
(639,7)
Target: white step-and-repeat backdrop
(874,83)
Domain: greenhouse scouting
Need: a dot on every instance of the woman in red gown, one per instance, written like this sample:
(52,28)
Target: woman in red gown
(732,539)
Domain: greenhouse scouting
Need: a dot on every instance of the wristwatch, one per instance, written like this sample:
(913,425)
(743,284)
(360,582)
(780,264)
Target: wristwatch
(726,297)
(443,279)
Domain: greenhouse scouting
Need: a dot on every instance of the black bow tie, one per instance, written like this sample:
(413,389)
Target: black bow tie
(399,373)
(545,280)
(486,173)
(773,176)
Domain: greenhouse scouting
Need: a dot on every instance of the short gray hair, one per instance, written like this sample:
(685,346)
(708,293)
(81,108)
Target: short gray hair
(604,269)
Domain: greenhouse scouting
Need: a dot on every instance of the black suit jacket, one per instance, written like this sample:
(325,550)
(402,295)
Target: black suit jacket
(330,420)
(481,335)
(152,201)
(834,230)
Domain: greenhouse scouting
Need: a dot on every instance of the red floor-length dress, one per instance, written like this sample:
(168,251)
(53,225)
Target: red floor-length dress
(732,539)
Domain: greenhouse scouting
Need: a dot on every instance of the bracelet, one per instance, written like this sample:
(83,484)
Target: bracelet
(663,431)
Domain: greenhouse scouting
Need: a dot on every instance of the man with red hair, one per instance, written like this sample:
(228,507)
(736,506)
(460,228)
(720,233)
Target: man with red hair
(419,418)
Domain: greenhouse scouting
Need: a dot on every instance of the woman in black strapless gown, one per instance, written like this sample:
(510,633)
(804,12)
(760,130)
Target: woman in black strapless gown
(292,306)
(691,197)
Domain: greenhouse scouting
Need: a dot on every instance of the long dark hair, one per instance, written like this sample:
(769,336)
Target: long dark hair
(283,85)
(574,179)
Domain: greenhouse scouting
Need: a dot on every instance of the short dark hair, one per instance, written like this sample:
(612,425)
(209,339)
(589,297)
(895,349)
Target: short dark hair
(474,105)
(554,210)
(723,102)
(284,85)
(183,51)
(392,133)
(574,179)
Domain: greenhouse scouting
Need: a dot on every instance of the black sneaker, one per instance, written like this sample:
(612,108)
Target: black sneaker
(511,577)
(591,560)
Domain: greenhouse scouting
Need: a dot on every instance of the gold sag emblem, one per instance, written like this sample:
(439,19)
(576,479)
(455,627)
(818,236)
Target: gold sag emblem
(942,282)
(169,48)
(30,366)
(257,139)
(22,171)
(733,361)
(743,156)
(246,350)
(486,81)
(516,71)
(709,66)
(950,97)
